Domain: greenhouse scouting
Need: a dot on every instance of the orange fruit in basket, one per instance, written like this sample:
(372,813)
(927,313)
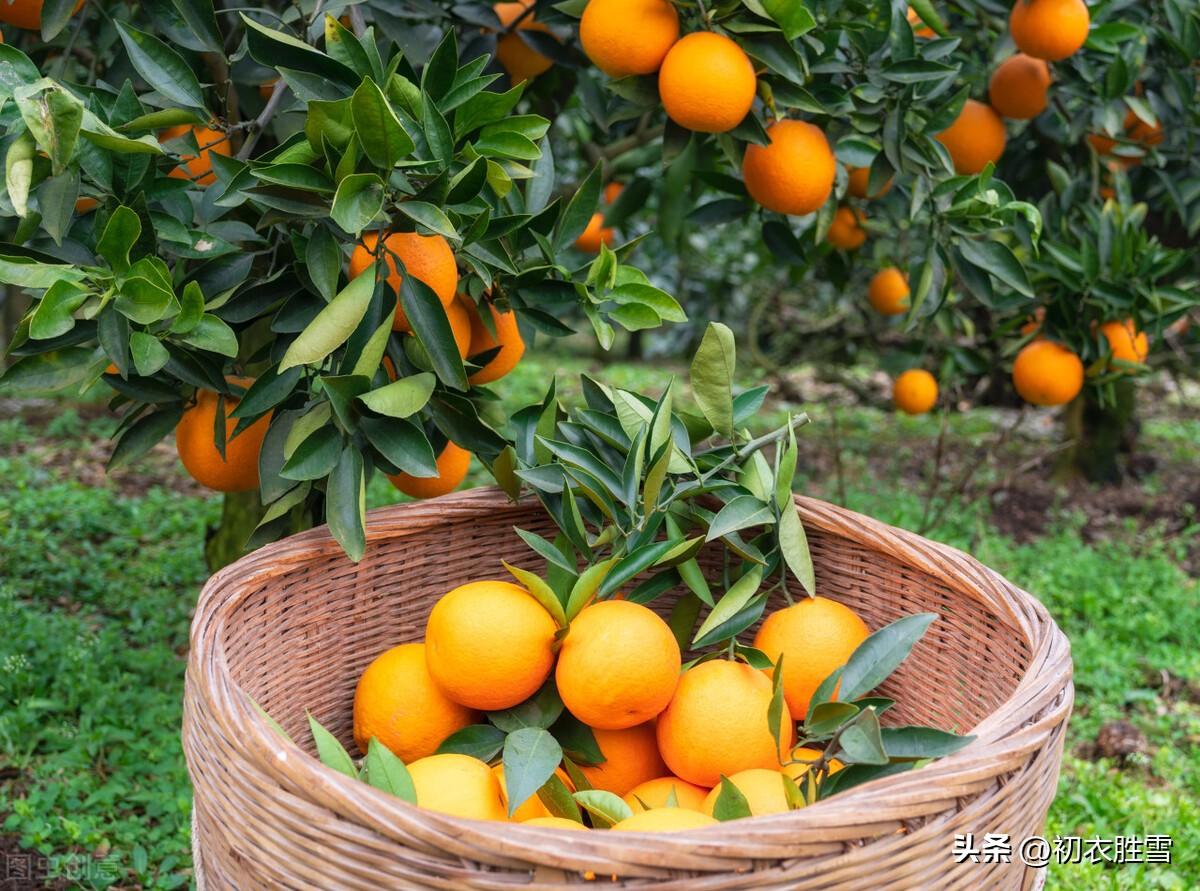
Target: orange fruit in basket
(815,636)
(976,138)
(707,83)
(532,807)
(458,785)
(860,183)
(846,232)
(665,819)
(764,790)
(1047,373)
(1125,342)
(888,292)
(631,758)
(489,644)
(238,470)
(795,173)
(618,665)
(452,466)
(518,58)
(624,37)
(198,168)
(554,823)
(397,702)
(915,391)
(657,793)
(507,337)
(1018,87)
(717,723)
(427,257)
(1049,29)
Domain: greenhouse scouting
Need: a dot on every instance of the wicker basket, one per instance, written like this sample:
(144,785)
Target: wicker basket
(293,625)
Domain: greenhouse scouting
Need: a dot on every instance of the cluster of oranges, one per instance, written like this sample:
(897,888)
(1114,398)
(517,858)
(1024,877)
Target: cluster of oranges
(667,736)
(1048,373)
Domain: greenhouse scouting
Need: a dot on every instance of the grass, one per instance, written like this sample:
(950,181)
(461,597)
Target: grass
(96,587)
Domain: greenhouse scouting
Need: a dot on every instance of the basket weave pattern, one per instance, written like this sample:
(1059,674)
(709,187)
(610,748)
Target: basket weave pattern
(293,625)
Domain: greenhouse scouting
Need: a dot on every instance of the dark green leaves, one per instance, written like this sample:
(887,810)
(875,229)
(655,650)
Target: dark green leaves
(380,132)
(881,653)
(999,261)
(161,67)
(358,200)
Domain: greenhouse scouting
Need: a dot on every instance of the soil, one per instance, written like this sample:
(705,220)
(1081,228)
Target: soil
(22,870)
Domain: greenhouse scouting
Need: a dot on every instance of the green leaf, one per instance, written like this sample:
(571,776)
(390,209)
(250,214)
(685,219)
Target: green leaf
(712,377)
(402,443)
(540,591)
(577,213)
(827,717)
(998,260)
(587,585)
(385,771)
(212,335)
(482,741)
(731,804)
(402,398)
(531,755)
(149,355)
(742,512)
(346,503)
(541,710)
(791,15)
(323,261)
(776,706)
(545,549)
(161,67)
(18,172)
(556,796)
(380,132)
(793,544)
(881,653)
(738,596)
(191,309)
(427,316)
(429,216)
(330,751)
(861,742)
(915,743)
(54,117)
(143,301)
(358,200)
(633,563)
(54,314)
(605,807)
(143,435)
(121,233)
(334,324)
(314,457)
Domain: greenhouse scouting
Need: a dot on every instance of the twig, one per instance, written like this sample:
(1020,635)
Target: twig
(935,477)
(264,118)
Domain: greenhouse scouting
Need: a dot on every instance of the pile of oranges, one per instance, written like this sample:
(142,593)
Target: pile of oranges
(667,736)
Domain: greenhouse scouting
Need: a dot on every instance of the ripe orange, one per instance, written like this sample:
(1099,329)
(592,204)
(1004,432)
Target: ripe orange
(717,723)
(612,191)
(26,14)
(618,665)
(624,37)
(763,788)
(975,139)
(1136,130)
(631,758)
(452,466)
(1018,87)
(1049,29)
(1126,343)
(554,823)
(657,792)
(1033,323)
(846,232)
(665,819)
(266,88)
(860,180)
(518,58)
(397,701)
(507,337)
(238,470)
(707,83)
(795,173)
(888,292)
(920,29)
(85,205)
(460,326)
(815,636)
(198,168)
(1047,373)
(489,644)
(915,391)
(458,785)
(428,257)
(594,235)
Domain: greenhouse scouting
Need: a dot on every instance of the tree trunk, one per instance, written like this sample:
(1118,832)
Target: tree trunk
(226,541)
(1098,434)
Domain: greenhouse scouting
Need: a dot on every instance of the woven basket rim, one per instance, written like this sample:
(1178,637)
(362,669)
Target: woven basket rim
(1042,698)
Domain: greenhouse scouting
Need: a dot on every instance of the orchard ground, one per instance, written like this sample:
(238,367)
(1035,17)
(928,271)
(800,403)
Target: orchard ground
(98,575)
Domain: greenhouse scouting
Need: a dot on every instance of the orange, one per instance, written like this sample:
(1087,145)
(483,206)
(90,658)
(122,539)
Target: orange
(860,180)
(532,808)
(238,470)
(266,88)
(1018,87)
(460,326)
(657,792)
(624,37)
(458,785)
(1033,323)
(452,466)
(795,173)
(764,790)
(717,723)
(706,83)
(397,701)
(594,235)
(518,58)
(1049,29)
(1137,131)
(507,337)
(197,168)
(846,232)
(554,823)
(815,636)
(84,205)
(618,665)
(1047,373)
(920,29)
(489,644)
(665,819)
(1126,343)
(975,139)
(630,758)
(26,14)
(612,191)
(428,257)
(915,391)
(888,292)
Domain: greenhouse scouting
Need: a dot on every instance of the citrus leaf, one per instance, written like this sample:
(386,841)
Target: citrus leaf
(531,755)
(740,594)
(605,807)
(482,741)
(793,544)
(383,770)
(540,591)
(330,751)
(731,804)
(712,377)
(402,398)
(161,67)
(333,324)
(881,653)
